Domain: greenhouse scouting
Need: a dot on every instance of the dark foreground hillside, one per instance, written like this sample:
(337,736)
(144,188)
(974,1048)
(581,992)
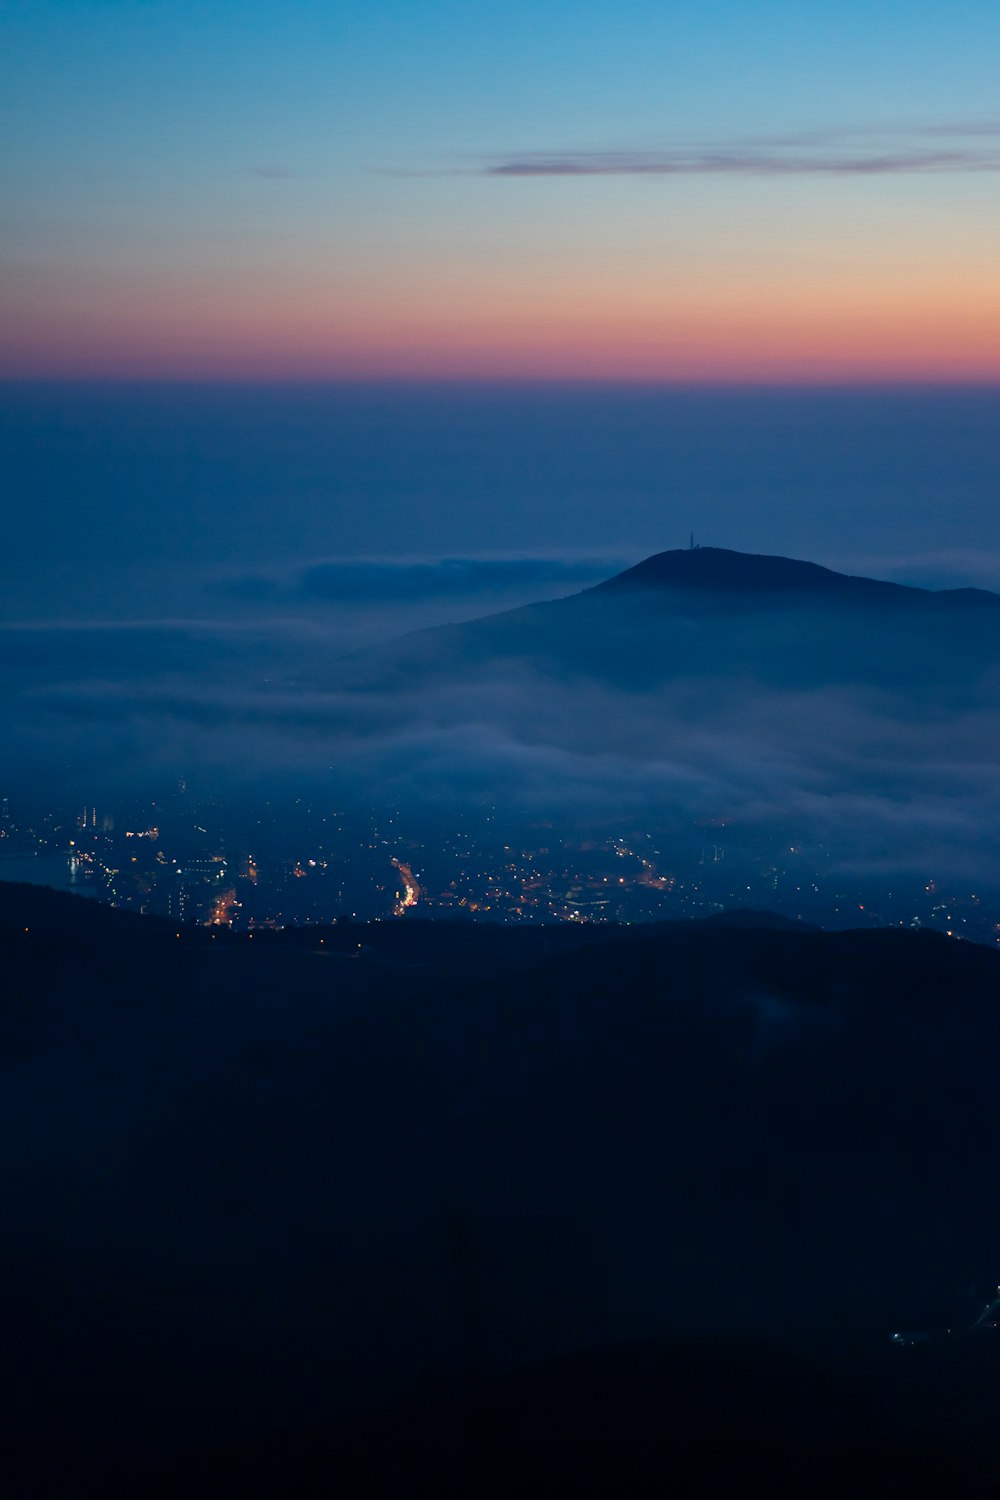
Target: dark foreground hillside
(465,1211)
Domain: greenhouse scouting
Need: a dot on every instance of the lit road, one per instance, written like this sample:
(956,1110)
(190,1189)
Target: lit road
(411,890)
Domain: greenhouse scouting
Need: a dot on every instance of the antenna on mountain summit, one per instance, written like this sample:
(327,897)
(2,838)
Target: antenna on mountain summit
(691,544)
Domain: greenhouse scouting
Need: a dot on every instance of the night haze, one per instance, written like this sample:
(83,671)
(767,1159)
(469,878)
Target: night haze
(500,620)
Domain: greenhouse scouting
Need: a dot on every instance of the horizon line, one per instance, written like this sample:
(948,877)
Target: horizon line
(457,380)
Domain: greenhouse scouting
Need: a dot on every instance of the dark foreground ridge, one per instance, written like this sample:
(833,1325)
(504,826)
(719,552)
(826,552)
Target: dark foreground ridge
(413,1208)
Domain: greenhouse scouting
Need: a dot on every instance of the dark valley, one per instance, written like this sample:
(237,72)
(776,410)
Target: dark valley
(425,1208)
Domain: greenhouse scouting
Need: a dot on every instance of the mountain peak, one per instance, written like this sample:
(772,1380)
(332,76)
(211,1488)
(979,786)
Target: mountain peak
(719,570)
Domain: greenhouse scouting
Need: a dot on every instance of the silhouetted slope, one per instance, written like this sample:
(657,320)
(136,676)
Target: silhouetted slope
(709,613)
(277,1219)
(717,570)
(36,911)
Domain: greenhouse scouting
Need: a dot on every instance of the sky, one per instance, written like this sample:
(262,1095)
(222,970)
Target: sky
(322,323)
(742,191)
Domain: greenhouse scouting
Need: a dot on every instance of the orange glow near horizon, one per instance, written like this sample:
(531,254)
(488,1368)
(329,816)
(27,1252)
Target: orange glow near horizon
(751,194)
(876,328)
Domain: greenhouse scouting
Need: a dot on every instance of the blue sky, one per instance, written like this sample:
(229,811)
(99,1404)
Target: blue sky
(312,183)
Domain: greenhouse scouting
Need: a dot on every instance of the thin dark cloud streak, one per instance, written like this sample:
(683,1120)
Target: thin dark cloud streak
(273,172)
(742,164)
(949,146)
(761,155)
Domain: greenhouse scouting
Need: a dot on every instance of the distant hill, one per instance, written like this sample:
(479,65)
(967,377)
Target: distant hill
(708,612)
(278,1221)
(852,719)
(719,570)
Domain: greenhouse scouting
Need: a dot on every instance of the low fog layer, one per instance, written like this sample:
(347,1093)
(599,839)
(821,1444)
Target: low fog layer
(868,729)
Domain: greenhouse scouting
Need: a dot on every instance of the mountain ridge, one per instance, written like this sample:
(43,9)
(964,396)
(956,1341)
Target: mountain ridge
(765,1149)
(703,610)
(725,570)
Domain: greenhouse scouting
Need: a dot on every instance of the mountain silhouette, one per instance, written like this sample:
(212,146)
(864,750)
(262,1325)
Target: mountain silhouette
(707,612)
(722,571)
